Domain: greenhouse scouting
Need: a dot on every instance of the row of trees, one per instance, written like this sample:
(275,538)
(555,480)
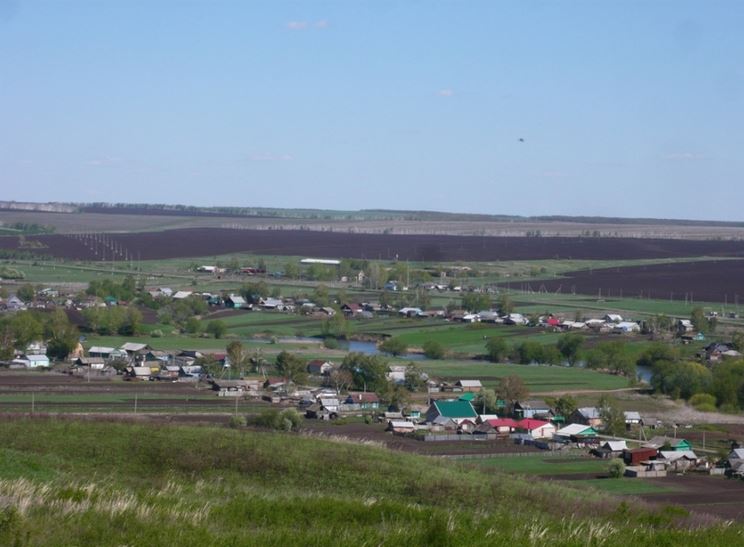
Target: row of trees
(18,331)
(611,356)
(722,385)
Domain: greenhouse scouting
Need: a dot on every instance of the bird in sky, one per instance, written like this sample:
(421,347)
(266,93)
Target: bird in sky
(521,139)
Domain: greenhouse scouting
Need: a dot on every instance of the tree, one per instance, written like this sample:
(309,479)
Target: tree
(569,346)
(26,292)
(512,389)
(394,346)
(682,379)
(486,402)
(340,380)
(616,469)
(415,378)
(505,304)
(369,372)
(656,352)
(701,323)
(613,419)
(62,336)
(613,357)
(475,302)
(291,270)
(497,349)
(217,328)
(337,326)
(433,349)
(26,328)
(529,351)
(192,325)
(238,357)
(7,340)
(291,367)
(321,296)
(564,405)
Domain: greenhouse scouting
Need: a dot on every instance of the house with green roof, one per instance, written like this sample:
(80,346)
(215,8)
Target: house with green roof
(663,442)
(455,409)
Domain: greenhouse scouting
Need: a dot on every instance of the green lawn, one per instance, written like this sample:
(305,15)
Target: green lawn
(537,377)
(542,465)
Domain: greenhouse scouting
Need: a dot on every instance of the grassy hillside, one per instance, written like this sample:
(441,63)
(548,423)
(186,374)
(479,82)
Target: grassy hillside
(77,483)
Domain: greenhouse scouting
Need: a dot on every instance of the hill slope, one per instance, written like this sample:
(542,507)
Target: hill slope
(84,483)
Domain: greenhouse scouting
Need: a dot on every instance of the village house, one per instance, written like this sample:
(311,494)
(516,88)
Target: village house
(229,388)
(534,408)
(610,449)
(537,429)
(678,460)
(581,434)
(453,409)
(237,302)
(638,456)
(363,400)
(319,367)
(472,386)
(668,443)
(588,415)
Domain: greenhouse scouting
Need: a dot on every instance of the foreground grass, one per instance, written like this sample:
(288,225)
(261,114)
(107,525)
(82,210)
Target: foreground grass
(73,483)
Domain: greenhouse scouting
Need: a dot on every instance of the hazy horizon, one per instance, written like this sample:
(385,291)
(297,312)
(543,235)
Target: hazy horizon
(628,110)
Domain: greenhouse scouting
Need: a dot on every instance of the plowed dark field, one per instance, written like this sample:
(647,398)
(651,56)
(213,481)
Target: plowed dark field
(214,241)
(711,281)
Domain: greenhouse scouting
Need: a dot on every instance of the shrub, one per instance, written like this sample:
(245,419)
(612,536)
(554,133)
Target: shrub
(394,346)
(237,422)
(433,349)
(157,333)
(616,469)
(330,342)
(704,402)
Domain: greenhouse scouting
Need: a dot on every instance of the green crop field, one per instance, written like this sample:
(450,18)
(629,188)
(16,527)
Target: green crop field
(88,483)
(542,465)
(538,378)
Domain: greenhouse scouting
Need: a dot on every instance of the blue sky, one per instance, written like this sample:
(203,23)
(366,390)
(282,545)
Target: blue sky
(625,108)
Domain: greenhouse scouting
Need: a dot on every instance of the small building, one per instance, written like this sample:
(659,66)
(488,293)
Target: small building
(139,373)
(401,426)
(611,449)
(101,351)
(453,409)
(95,363)
(577,433)
(678,460)
(534,408)
(613,318)
(588,415)
(626,327)
(472,386)
(319,367)
(636,456)
(668,443)
(632,418)
(366,400)
(330,404)
(538,429)
(229,388)
(503,425)
(237,302)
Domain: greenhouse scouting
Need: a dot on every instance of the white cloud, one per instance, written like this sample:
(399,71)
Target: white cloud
(684,156)
(270,157)
(104,161)
(447,92)
(297,25)
(304,25)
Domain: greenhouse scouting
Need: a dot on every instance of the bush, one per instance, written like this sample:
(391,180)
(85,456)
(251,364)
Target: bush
(330,342)
(157,333)
(394,346)
(433,349)
(616,469)
(704,402)
(237,422)
(285,420)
